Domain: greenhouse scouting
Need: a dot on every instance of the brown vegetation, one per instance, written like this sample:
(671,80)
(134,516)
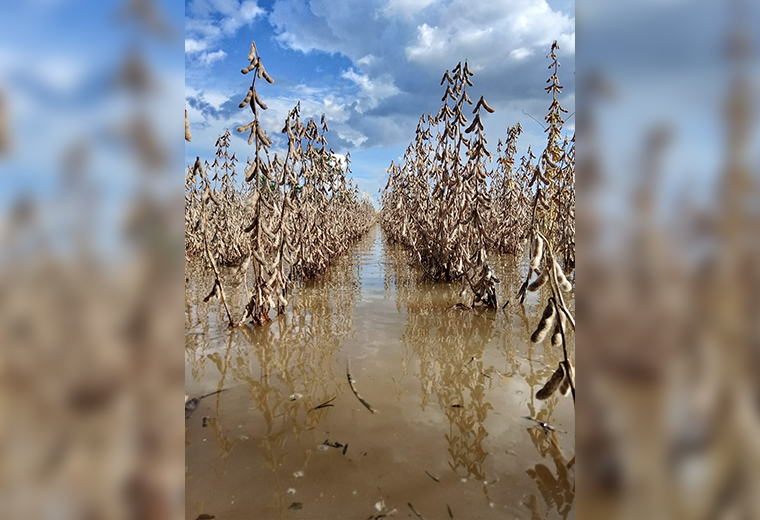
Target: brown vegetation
(450,209)
(290,217)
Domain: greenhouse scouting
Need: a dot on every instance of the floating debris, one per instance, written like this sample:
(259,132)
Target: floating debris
(431,476)
(204,516)
(296,505)
(353,388)
(291,491)
(328,444)
(546,426)
(192,404)
(295,397)
(415,511)
(298,474)
(451,515)
(326,404)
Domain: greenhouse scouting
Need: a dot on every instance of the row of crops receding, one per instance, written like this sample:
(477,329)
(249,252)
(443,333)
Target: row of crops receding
(451,204)
(284,222)
(450,209)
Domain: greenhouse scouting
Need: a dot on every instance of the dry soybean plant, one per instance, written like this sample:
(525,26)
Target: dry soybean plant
(556,320)
(287,221)
(438,203)
(450,209)
(552,234)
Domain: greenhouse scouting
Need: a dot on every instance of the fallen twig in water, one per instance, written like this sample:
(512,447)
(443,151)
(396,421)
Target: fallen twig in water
(353,388)
(431,476)
(451,515)
(546,426)
(192,404)
(415,511)
(326,404)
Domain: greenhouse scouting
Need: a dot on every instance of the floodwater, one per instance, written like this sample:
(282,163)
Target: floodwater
(450,388)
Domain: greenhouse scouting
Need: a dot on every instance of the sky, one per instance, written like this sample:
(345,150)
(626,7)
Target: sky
(373,68)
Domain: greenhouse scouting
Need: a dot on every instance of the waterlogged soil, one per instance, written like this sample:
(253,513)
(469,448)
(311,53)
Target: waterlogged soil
(450,388)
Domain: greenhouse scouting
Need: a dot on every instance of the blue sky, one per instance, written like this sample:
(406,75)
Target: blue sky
(372,67)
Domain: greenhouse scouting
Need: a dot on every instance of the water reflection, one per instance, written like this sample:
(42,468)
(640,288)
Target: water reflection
(287,365)
(451,385)
(557,490)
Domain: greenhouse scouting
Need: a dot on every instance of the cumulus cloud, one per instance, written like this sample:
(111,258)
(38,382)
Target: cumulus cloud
(207,58)
(487,33)
(405,8)
(397,51)
(193,46)
(372,91)
(507,40)
(208,21)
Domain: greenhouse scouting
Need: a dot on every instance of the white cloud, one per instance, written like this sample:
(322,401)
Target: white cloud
(215,99)
(521,53)
(192,46)
(405,8)
(207,58)
(369,59)
(209,21)
(372,91)
(430,41)
(488,33)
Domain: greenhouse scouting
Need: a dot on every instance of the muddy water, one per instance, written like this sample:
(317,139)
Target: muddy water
(449,386)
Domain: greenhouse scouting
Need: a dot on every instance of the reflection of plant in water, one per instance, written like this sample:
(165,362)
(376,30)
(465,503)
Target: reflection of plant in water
(287,366)
(557,491)
(449,344)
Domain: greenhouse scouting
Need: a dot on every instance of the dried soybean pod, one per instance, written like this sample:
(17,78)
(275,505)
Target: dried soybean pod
(482,102)
(536,252)
(564,283)
(556,336)
(546,323)
(247,99)
(242,129)
(249,68)
(564,388)
(548,158)
(552,384)
(253,52)
(538,282)
(188,135)
(259,101)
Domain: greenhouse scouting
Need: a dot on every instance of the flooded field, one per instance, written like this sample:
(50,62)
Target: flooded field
(450,388)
